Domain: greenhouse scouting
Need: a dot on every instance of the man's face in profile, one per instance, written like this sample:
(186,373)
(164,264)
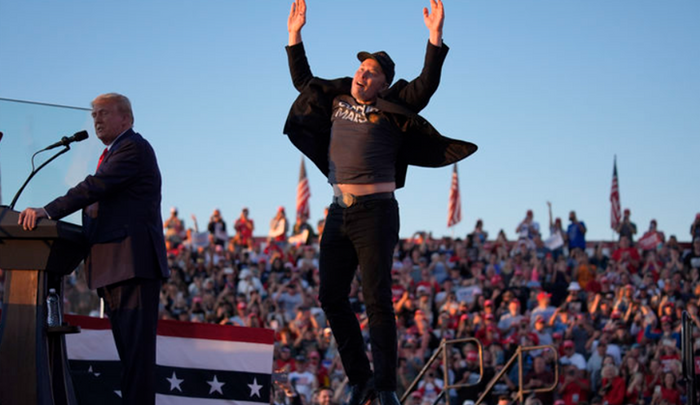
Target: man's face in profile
(109,121)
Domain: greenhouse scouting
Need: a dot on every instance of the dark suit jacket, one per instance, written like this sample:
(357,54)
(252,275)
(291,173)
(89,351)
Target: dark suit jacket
(121,214)
(308,124)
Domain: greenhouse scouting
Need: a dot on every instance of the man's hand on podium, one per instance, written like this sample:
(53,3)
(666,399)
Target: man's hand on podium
(29,217)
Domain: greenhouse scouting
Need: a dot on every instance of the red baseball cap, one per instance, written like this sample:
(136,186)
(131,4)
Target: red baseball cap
(542,295)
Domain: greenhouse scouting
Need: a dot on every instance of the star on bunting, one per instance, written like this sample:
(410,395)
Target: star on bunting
(175,382)
(215,386)
(93,373)
(255,388)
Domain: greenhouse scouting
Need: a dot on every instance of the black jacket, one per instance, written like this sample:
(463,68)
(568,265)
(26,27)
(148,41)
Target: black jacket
(308,124)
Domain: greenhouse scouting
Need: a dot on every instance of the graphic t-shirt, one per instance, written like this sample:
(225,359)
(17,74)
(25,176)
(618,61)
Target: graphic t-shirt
(364,144)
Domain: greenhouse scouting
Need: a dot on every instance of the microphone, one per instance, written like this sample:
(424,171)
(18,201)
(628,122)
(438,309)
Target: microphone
(65,141)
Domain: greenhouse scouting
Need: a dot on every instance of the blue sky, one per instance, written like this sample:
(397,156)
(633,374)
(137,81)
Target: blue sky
(550,90)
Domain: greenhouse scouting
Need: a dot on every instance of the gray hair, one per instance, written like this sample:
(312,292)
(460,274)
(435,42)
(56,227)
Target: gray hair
(122,102)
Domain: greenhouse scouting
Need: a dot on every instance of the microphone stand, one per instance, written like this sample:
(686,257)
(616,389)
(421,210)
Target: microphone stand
(35,171)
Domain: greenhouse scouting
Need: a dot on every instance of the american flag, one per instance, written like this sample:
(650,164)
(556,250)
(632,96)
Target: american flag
(303,192)
(454,206)
(196,362)
(615,213)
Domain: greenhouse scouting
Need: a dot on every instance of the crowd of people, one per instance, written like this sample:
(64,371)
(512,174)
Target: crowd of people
(610,311)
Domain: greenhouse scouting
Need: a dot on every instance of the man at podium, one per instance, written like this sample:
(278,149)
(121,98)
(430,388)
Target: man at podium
(123,224)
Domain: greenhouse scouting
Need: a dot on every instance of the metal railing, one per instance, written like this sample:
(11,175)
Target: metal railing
(518,355)
(443,350)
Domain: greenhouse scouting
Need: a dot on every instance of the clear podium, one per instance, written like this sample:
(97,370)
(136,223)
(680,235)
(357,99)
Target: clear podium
(33,364)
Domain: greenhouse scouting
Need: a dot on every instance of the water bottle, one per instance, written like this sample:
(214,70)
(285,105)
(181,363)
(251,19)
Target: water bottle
(53,309)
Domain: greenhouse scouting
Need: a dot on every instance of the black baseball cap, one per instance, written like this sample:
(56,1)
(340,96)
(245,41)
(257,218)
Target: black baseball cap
(384,61)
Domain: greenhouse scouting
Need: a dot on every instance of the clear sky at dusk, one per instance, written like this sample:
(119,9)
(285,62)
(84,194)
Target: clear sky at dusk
(549,90)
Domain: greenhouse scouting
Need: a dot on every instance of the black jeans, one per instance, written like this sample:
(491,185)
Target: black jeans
(366,234)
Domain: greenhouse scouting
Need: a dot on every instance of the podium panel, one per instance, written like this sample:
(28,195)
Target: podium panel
(34,368)
(53,246)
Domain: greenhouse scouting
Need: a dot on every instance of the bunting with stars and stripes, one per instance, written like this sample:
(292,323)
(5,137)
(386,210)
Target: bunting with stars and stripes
(220,363)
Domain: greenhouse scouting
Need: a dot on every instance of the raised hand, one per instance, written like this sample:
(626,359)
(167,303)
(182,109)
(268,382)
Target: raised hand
(296,20)
(434,20)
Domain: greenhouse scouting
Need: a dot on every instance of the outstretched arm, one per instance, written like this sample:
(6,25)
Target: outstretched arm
(434,20)
(296,20)
(194,219)
(416,94)
(299,67)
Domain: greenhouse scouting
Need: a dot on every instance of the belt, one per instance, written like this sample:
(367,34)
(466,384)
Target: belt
(346,200)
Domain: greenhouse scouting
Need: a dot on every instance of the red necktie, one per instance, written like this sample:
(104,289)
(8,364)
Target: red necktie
(102,156)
